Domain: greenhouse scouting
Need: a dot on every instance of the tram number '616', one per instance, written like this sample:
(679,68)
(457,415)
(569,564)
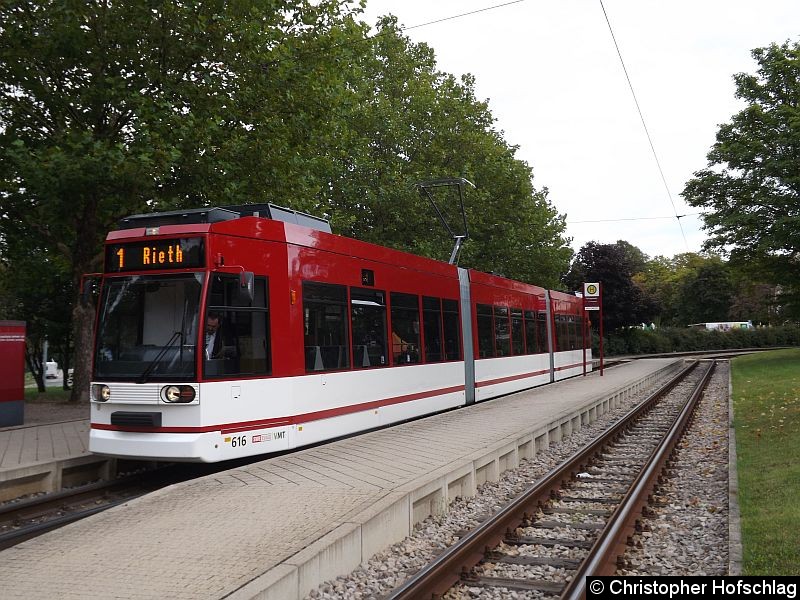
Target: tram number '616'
(238,440)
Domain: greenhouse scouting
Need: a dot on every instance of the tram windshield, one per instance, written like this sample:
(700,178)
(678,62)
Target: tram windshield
(148,327)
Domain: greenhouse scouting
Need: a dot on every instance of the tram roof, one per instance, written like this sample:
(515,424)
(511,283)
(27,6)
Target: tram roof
(255,226)
(218,214)
(273,223)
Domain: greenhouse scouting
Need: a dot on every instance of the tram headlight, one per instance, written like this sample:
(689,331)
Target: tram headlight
(178,394)
(101,392)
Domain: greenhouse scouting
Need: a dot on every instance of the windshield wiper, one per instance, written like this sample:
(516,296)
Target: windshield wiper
(154,363)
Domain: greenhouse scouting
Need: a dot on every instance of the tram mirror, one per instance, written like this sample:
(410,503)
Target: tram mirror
(246,286)
(89,287)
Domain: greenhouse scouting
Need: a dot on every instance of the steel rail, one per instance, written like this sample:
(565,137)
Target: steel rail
(19,508)
(443,572)
(33,506)
(17,536)
(37,513)
(613,539)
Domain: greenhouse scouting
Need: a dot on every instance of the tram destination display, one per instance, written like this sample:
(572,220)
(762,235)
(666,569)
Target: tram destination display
(182,253)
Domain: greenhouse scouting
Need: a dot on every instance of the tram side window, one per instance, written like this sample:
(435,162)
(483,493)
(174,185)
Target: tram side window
(563,333)
(368,314)
(557,342)
(237,336)
(326,338)
(405,328)
(575,333)
(541,332)
(485,331)
(452,330)
(502,331)
(517,336)
(432,318)
(530,332)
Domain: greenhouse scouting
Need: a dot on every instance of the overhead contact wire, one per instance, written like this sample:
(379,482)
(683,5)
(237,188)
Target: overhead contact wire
(644,124)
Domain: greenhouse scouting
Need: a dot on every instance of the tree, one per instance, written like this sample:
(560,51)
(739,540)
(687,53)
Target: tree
(634,257)
(657,280)
(706,294)
(751,186)
(108,109)
(411,122)
(704,287)
(34,288)
(665,279)
(624,302)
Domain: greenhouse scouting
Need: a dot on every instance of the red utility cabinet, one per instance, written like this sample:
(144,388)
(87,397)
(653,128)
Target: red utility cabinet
(12,373)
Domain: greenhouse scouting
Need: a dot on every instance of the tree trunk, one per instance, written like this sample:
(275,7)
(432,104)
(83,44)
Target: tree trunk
(83,318)
(33,358)
(87,253)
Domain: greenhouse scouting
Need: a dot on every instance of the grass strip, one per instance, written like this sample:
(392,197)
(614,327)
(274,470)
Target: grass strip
(766,400)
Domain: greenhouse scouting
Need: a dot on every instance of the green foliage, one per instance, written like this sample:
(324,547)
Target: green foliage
(698,288)
(35,287)
(705,294)
(614,265)
(411,123)
(766,401)
(751,187)
(110,109)
(683,339)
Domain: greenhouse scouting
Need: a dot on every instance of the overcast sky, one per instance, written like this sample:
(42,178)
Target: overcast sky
(557,89)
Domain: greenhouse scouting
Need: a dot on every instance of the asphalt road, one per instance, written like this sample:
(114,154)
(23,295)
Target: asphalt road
(49,383)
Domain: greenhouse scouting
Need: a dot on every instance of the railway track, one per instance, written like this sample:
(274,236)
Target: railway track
(22,520)
(576,521)
(26,519)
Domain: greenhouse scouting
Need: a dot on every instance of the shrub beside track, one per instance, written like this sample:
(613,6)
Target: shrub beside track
(683,339)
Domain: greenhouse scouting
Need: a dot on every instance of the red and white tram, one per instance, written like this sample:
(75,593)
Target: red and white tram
(222,333)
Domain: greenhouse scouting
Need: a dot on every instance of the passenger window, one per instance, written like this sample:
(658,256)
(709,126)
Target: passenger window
(405,328)
(237,331)
(575,332)
(502,331)
(325,327)
(432,316)
(485,331)
(541,330)
(562,343)
(452,330)
(517,336)
(368,314)
(531,346)
(557,333)
(569,331)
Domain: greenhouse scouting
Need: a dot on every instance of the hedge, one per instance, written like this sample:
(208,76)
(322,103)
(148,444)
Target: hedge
(675,339)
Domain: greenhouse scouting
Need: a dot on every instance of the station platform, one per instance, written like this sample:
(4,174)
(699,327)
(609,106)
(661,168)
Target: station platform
(46,456)
(277,528)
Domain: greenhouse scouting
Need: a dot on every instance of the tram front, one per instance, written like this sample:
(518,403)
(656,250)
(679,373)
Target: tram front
(144,392)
